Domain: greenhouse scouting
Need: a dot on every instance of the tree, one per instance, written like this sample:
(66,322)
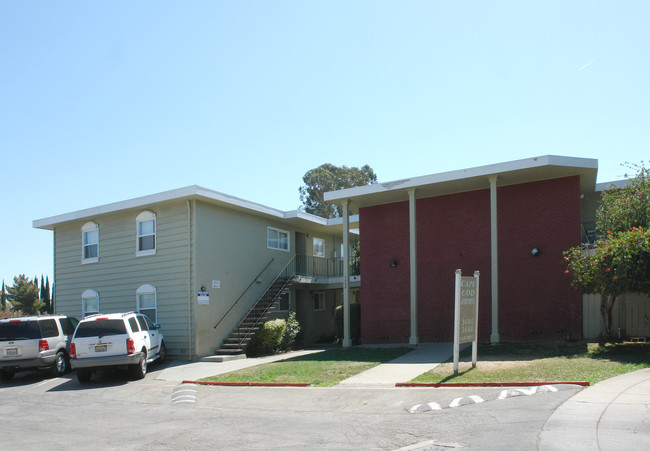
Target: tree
(620,262)
(23,295)
(3,297)
(328,177)
(45,296)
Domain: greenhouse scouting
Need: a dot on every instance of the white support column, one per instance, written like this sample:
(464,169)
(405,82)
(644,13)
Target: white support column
(413,340)
(494,244)
(347,341)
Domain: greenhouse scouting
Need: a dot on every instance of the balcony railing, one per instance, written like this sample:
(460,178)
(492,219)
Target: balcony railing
(307,265)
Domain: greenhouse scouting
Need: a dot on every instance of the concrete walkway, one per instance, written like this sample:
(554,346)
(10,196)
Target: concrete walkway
(610,415)
(402,369)
(422,359)
(192,371)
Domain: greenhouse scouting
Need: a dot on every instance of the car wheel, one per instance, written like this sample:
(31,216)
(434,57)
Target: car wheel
(139,370)
(84,376)
(60,365)
(162,354)
(7,375)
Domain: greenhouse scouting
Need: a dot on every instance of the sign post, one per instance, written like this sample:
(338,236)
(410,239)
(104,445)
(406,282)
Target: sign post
(465,315)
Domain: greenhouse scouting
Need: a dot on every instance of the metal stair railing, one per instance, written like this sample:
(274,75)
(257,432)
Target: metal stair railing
(244,292)
(285,276)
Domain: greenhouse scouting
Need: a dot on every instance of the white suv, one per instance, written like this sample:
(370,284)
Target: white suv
(35,342)
(116,340)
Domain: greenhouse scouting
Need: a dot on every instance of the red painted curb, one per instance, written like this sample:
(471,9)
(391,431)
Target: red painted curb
(488,384)
(251,384)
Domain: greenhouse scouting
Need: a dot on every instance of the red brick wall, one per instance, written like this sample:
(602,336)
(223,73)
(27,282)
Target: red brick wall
(535,300)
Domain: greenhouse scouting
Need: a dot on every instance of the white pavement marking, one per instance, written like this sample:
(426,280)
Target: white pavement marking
(457,402)
(184,394)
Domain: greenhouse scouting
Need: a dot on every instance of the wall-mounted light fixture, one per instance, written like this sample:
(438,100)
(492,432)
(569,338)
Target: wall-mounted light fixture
(535,252)
(202,288)
(392,263)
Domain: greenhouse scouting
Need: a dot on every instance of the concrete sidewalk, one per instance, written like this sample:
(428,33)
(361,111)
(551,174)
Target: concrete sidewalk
(611,415)
(183,371)
(423,358)
(402,369)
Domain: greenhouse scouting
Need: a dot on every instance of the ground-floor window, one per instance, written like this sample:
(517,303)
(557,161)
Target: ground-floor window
(319,301)
(146,301)
(284,303)
(89,303)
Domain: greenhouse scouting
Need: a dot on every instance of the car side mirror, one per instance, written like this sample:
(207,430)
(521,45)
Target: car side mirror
(157,326)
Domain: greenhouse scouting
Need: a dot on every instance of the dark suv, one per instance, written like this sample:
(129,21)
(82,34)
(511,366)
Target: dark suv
(35,342)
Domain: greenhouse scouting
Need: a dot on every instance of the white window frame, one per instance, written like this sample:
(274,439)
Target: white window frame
(288,309)
(321,301)
(85,296)
(145,216)
(270,230)
(147,289)
(85,230)
(318,247)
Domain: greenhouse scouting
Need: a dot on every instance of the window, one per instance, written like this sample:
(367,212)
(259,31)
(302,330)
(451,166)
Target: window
(319,247)
(146,241)
(133,324)
(146,301)
(90,243)
(277,239)
(89,303)
(319,301)
(49,328)
(284,303)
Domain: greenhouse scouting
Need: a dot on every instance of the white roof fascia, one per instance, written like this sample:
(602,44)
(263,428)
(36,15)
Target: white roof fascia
(193,191)
(615,184)
(499,168)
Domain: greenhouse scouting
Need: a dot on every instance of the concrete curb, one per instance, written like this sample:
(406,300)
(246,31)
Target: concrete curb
(488,384)
(250,384)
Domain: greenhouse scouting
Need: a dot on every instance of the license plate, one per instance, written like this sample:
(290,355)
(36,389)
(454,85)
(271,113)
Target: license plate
(12,351)
(100,348)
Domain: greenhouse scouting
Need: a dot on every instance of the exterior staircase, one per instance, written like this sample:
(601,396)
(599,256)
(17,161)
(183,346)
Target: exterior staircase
(235,344)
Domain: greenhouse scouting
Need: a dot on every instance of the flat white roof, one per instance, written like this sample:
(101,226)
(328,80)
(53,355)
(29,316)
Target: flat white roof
(295,217)
(471,179)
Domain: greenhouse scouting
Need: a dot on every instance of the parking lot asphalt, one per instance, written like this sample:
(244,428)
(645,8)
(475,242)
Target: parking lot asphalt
(612,414)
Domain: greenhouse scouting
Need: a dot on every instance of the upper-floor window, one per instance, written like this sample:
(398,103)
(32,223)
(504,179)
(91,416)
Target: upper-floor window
(319,247)
(146,241)
(146,301)
(277,239)
(89,303)
(90,243)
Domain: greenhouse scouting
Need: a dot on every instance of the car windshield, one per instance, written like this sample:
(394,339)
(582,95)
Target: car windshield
(100,328)
(19,330)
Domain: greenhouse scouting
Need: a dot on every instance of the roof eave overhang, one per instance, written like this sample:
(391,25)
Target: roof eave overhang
(471,179)
(297,218)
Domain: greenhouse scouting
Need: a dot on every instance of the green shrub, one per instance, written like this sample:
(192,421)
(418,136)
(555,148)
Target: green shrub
(290,333)
(268,339)
(355,322)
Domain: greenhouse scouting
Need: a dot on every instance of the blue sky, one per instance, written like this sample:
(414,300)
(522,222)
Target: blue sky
(106,101)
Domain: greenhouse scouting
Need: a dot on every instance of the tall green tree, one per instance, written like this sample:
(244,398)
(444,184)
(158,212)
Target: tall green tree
(328,177)
(23,295)
(620,262)
(45,295)
(3,297)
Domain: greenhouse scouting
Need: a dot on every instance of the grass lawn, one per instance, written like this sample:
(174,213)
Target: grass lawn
(322,369)
(552,362)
